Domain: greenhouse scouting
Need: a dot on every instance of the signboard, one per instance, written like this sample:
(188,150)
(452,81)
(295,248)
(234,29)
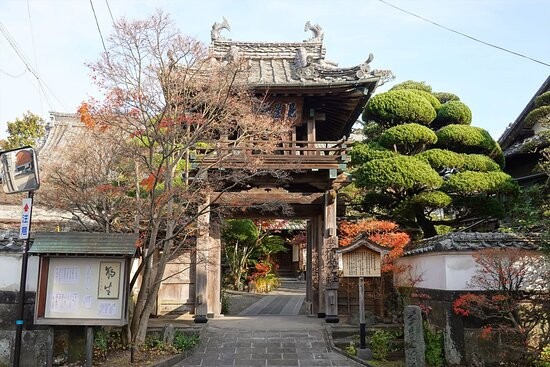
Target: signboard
(25,219)
(89,291)
(361,262)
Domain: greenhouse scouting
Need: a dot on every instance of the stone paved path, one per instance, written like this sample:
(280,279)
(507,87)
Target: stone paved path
(243,348)
(276,305)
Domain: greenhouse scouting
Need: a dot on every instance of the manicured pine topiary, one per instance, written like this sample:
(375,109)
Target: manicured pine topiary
(543,99)
(411,84)
(407,138)
(441,159)
(433,101)
(540,115)
(398,107)
(444,97)
(454,112)
(361,153)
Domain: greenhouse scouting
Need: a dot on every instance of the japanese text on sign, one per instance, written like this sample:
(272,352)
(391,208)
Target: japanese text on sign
(109,280)
(361,263)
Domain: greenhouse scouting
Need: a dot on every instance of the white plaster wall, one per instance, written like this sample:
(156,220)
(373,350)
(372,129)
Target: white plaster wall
(10,272)
(428,269)
(460,268)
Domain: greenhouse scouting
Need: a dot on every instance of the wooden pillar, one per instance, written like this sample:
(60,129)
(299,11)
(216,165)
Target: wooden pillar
(201,281)
(214,306)
(330,260)
(311,130)
(319,275)
(309,269)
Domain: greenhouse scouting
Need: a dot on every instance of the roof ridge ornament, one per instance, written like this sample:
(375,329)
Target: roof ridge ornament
(318,33)
(216,29)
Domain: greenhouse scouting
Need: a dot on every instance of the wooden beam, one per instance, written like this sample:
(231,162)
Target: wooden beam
(251,198)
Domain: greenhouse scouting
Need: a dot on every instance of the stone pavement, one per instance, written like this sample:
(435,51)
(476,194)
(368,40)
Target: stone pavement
(286,300)
(265,341)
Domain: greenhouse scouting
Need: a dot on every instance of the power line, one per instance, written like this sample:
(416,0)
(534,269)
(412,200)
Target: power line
(464,34)
(34,52)
(110,13)
(19,52)
(98,28)
(13,76)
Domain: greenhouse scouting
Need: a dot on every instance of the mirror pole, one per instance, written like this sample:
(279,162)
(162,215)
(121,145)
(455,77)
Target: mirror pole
(22,288)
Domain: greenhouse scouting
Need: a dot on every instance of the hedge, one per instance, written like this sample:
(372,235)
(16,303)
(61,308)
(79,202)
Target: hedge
(454,112)
(431,199)
(433,101)
(407,138)
(399,107)
(479,163)
(398,173)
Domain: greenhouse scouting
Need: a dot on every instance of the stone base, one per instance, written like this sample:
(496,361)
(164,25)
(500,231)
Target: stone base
(321,315)
(200,319)
(332,319)
(364,354)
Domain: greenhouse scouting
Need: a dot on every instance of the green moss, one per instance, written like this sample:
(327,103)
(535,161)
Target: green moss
(440,159)
(444,97)
(479,163)
(399,107)
(398,174)
(469,139)
(539,115)
(411,84)
(433,101)
(407,138)
(543,99)
(471,183)
(454,112)
(432,199)
(362,153)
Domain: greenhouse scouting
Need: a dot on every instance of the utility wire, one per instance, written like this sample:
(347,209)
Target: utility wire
(34,52)
(98,28)
(110,13)
(13,76)
(19,52)
(464,34)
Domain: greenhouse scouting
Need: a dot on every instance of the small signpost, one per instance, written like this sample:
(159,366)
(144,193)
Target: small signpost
(361,259)
(19,173)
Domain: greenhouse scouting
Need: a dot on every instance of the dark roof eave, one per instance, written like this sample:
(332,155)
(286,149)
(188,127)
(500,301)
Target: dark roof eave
(316,85)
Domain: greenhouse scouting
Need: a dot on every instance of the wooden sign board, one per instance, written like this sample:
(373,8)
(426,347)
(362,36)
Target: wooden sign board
(361,262)
(82,291)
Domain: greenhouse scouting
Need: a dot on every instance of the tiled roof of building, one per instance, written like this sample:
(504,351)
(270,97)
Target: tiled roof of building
(291,63)
(61,131)
(531,144)
(471,241)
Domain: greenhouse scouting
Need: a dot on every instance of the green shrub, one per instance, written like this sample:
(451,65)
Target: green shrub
(433,101)
(479,162)
(469,139)
(454,112)
(480,206)
(226,303)
(411,84)
(362,153)
(471,183)
(434,347)
(544,359)
(543,99)
(105,341)
(539,115)
(399,107)
(351,349)
(440,159)
(398,174)
(183,342)
(444,97)
(407,138)
(381,344)
(431,199)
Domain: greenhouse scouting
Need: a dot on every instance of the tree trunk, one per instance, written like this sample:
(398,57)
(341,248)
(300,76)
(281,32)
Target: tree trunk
(425,224)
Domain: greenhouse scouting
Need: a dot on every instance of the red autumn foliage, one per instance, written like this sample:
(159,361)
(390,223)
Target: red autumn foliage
(381,232)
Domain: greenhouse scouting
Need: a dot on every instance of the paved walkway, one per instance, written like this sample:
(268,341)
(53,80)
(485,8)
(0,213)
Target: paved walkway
(260,341)
(286,300)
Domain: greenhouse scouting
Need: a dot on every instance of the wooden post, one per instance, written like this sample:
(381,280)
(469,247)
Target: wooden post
(311,131)
(362,326)
(330,262)
(309,269)
(201,263)
(89,346)
(319,268)
(214,270)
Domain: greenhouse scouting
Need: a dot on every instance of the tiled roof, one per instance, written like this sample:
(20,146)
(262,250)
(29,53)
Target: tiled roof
(529,145)
(9,241)
(84,243)
(291,63)
(61,131)
(471,241)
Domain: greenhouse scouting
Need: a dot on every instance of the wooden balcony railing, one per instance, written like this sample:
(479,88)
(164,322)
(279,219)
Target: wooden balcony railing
(274,155)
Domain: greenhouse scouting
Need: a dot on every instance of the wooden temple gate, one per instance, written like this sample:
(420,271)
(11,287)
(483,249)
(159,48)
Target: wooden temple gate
(323,101)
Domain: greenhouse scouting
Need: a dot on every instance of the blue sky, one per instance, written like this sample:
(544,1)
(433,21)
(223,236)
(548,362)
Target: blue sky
(494,84)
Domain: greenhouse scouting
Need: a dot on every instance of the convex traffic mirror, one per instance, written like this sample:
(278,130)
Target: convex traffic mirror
(19,170)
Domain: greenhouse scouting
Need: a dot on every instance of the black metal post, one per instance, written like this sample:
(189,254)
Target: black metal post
(22,288)
(362,326)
